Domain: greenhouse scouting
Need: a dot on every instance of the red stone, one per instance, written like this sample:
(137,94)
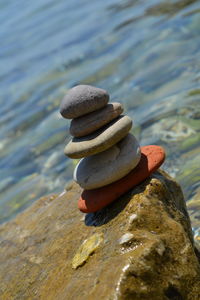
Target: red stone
(93,200)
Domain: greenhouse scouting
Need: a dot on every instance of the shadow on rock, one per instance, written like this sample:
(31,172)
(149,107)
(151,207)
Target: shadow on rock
(108,213)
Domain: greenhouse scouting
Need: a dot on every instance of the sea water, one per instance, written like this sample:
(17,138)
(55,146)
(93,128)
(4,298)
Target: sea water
(146,54)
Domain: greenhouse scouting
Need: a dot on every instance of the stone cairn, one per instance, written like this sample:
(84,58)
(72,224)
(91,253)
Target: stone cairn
(112,161)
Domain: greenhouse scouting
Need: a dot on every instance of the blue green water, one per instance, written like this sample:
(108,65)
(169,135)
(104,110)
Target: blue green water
(145,53)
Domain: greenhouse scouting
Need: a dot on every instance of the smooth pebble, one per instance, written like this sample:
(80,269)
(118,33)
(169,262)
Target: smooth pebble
(100,140)
(91,122)
(93,200)
(108,166)
(81,100)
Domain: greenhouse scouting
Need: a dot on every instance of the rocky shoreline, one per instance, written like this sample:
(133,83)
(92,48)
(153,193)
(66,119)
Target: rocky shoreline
(140,247)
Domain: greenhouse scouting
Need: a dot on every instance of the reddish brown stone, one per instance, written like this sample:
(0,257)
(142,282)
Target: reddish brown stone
(93,200)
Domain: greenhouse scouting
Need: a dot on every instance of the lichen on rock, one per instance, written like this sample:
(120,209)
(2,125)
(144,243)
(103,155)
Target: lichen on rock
(86,249)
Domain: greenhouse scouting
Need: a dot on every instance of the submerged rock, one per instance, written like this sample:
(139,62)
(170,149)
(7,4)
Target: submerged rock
(139,247)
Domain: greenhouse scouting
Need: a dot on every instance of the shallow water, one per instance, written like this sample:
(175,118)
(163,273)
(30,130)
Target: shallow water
(145,53)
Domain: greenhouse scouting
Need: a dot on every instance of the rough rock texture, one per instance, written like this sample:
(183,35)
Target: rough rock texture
(140,247)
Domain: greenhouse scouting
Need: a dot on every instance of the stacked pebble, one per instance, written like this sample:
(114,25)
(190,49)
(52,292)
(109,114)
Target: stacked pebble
(101,138)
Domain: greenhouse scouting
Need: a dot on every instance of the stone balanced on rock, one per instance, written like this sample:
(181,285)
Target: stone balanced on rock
(112,162)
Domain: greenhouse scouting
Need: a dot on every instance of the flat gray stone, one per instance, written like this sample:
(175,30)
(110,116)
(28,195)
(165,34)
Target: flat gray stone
(100,140)
(81,100)
(91,122)
(108,166)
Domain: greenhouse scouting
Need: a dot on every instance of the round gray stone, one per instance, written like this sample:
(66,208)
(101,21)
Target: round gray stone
(108,166)
(100,140)
(81,100)
(89,123)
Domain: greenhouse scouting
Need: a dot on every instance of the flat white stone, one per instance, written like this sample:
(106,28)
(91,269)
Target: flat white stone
(132,218)
(126,238)
(108,166)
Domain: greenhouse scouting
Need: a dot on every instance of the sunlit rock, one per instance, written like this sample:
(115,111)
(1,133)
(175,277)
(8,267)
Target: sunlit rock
(139,247)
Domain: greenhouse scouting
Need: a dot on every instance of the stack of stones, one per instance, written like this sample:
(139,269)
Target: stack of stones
(101,139)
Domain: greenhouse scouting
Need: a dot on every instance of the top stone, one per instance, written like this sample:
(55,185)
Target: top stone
(81,100)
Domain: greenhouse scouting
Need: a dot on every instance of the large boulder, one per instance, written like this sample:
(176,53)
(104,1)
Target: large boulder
(140,247)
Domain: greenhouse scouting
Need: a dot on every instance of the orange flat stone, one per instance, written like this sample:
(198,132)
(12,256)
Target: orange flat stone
(93,200)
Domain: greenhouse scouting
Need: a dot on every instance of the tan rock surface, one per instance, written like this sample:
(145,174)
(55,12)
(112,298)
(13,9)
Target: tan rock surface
(140,247)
